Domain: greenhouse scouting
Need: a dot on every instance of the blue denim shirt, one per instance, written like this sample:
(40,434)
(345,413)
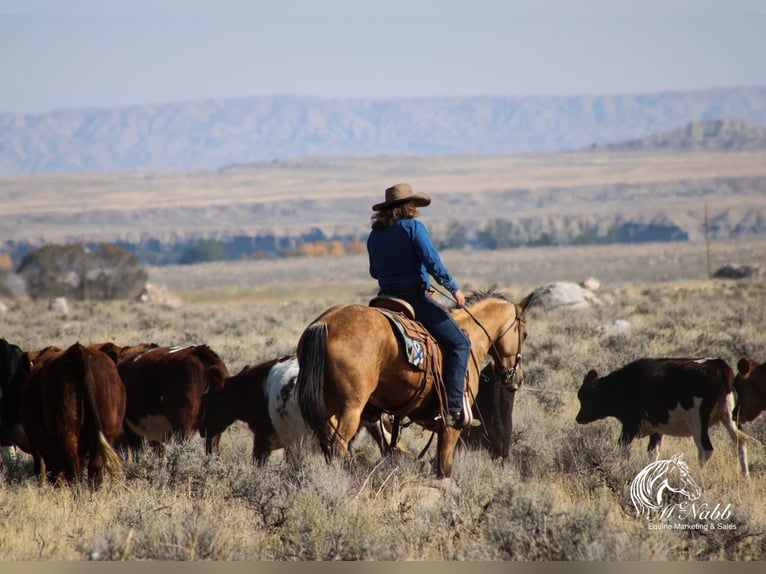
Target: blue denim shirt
(403,256)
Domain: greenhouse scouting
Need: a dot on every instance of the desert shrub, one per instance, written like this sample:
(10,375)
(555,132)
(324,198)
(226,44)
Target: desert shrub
(563,494)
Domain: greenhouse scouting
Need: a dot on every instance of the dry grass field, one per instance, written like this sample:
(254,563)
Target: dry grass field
(564,494)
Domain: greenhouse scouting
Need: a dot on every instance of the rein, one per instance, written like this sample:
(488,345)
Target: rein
(508,374)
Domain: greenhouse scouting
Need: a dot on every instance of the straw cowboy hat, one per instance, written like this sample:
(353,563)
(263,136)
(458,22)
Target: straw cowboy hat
(401,193)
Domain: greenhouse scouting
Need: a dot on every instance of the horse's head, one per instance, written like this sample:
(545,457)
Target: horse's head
(506,350)
(677,478)
(650,486)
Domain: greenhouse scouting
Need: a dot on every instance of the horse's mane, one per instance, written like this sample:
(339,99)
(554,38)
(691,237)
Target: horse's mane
(491,293)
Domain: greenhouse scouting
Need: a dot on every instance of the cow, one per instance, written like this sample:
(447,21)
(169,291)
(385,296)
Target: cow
(673,396)
(263,396)
(14,367)
(72,410)
(494,409)
(166,391)
(11,431)
(750,386)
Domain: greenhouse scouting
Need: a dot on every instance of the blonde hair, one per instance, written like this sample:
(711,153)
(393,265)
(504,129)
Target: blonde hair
(387,217)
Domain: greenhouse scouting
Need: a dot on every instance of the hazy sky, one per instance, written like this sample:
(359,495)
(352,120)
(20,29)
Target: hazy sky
(81,53)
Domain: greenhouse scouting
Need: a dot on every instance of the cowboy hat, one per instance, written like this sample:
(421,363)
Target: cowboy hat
(401,193)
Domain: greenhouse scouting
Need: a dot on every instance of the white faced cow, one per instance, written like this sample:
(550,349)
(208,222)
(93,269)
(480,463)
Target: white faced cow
(750,385)
(677,397)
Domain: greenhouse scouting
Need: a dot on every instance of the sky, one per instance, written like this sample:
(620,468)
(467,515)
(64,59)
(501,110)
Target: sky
(57,54)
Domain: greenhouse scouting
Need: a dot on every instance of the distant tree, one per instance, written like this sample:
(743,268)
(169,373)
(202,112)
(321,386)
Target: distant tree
(204,251)
(497,234)
(456,236)
(78,271)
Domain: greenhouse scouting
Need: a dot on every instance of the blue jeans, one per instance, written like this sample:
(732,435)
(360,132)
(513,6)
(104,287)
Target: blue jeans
(454,343)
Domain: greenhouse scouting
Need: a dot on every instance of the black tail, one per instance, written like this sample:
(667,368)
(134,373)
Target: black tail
(310,384)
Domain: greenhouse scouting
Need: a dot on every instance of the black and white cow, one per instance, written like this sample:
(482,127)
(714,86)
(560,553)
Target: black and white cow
(672,396)
(12,375)
(264,397)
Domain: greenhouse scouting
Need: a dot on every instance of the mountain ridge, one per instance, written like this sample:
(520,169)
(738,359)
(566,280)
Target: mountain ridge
(208,134)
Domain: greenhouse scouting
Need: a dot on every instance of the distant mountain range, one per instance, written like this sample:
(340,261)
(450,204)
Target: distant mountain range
(711,135)
(208,135)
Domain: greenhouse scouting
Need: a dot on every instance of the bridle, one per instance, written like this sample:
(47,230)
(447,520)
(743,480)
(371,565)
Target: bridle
(506,375)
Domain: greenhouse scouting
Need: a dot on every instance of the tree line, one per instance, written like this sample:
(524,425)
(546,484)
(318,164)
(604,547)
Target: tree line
(96,271)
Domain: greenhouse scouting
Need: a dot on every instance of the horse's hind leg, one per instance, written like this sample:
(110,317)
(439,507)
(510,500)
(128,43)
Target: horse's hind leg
(345,428)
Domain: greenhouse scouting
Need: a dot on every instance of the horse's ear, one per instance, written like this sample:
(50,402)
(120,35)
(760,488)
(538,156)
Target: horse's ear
(743,366)
(526,301)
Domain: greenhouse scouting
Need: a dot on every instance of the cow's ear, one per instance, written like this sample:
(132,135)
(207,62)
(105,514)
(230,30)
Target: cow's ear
(590,379)
(743,366)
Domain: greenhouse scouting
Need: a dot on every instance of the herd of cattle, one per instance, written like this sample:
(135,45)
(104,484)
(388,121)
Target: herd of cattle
(87,406)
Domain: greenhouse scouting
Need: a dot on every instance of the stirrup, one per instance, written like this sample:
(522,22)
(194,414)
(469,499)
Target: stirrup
(467,414)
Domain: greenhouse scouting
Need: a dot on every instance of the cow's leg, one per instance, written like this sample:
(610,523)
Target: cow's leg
(96,469)
(654,445)
(261,449)
(379,434)
(626,437)
(697,419)
(213,444)
(507,424)
(7,454)
(38,465)
(71,462)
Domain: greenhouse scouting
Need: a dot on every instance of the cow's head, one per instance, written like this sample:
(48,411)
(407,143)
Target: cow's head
(590,407)
(750,386)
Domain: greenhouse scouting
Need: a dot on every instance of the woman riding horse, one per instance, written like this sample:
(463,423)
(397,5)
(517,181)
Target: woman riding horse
(402,259)
(351,360)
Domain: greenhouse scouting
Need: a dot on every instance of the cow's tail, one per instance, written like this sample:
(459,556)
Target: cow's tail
(310,384)
(731,425)
(112,462)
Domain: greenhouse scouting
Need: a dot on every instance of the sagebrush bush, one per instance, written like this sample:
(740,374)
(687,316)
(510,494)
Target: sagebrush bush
(562,495)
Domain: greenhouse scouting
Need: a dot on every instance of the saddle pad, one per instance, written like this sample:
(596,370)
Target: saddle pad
(412,335)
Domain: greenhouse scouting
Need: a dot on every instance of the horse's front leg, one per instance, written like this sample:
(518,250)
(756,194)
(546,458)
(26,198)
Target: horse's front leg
(445,449)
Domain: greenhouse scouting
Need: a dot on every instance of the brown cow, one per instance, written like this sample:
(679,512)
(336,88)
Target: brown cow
(263,396)
(72,410)
(750,386)
(166,389)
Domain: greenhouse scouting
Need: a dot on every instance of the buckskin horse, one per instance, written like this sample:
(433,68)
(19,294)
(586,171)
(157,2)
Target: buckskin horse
(350,358)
